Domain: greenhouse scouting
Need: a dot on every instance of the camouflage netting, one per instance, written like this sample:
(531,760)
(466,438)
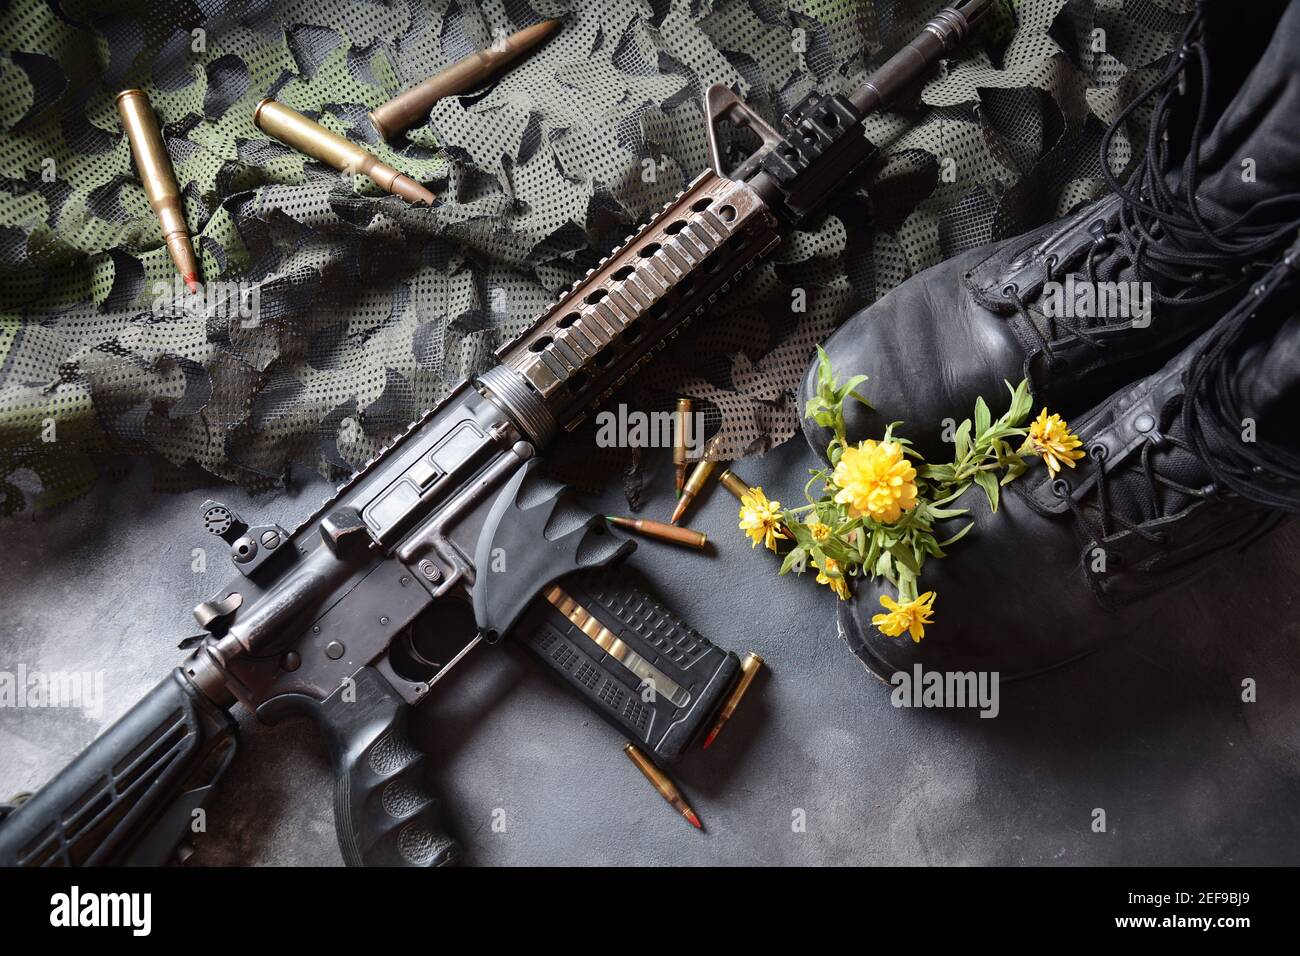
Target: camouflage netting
(371,310)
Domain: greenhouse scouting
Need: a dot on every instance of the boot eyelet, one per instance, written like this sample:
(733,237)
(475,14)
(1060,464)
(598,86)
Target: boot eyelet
(1061,488)
(1052,262)
(1099,452)
(1010,289)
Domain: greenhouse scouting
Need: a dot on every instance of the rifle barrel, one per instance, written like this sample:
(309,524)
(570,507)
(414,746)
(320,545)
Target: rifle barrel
(901,72)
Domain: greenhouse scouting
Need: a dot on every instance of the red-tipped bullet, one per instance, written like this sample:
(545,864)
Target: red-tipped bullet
(713,735)
(667,789)
(159,180)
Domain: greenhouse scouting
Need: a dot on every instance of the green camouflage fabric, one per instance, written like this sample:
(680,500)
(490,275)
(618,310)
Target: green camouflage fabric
(368,310)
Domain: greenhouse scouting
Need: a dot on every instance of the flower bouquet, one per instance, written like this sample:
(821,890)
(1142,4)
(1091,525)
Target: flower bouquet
(874,511)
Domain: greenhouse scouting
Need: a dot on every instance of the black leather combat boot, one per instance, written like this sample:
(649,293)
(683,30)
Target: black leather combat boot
(1183,468)
(1191,233)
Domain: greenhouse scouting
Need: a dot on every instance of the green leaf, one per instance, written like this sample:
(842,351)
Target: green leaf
(872,554)
(825,376)
(1015,469)
(952,495)
(983,418)
(884,566)
(1021,402)
(802,536)
(791,559)
(849,390)
(957,537)
(905,558)
(942,514)
(962,439)
(939,474)
(989,482)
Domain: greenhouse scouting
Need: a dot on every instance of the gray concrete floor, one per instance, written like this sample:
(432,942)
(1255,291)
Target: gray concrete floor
(1153,730)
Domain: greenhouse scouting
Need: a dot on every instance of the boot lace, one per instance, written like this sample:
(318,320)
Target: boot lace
(1266,473)
(1161,234)
(1205,419)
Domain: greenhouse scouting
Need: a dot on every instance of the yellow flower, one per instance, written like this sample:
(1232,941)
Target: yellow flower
(835,583)
(820,530)
(905,618)
(876,480)
(1050,436)
(760,518)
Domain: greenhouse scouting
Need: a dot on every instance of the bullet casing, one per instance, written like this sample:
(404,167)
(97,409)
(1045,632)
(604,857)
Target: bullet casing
(411,107)
(683,425)
(694,485)
(734,483)
(687,537)
(699,476)
(309,137)
(749,668)
(660,781)
(158,178)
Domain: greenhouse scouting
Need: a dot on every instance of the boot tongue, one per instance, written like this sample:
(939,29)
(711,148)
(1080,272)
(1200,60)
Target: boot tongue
(1253,152)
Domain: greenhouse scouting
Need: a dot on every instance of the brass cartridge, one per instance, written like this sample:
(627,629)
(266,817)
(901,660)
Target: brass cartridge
(307,136)
(411,108)
(159,179)
(664,532)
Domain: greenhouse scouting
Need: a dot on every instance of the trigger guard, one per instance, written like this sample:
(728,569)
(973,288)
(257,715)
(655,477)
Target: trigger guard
(532,560)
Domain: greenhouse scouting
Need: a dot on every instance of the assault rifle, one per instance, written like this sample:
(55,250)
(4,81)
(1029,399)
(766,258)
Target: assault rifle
(331,617)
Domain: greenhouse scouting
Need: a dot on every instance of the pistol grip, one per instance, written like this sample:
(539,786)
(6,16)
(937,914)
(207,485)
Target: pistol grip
(383,810)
